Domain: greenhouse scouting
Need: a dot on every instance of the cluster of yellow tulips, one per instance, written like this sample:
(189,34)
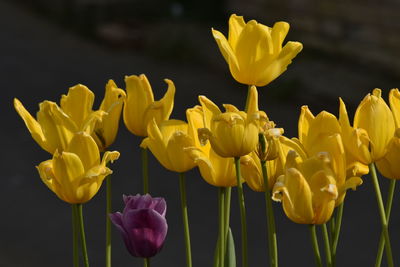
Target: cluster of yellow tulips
(309,174)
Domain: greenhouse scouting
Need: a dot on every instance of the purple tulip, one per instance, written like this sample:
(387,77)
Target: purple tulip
(142,224)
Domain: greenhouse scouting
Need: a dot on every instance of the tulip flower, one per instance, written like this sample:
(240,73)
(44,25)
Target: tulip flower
(76,174)
(307,189)
(254,51)
(55,125)
(140,108)
(233,133)
(214,169)
(372,130)
(322,133)
(142,224)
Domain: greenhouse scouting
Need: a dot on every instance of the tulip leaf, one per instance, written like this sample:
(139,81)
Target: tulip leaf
(230,256)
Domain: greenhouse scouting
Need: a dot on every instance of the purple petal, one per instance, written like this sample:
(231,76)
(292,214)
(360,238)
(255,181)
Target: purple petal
(159,205)
(116,219)
(147,230)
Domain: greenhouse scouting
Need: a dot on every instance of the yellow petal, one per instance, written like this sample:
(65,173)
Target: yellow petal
(389,165)
(209,110)
(278,34)
(296,196)
(46,173)
(178,158)
(57,127)
(162,109)
(225,48)
(252,107)
(77,104)
(374,115)
(68,171)
(139,96)
(394,101)
(279,64)
(305,120)
(195,121)
(84,146)
(236,25)
(33,126)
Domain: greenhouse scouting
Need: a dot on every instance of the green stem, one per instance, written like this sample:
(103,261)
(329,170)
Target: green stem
(82,233)
(227,206)
(108,220)
(75,236)
(337,225)
(314,242)
(272,240)
(182,188)
(221,209)
(145,170)
(242,213)
(327,246)
(247,98)
(146,262)
(382,214)
(388,209)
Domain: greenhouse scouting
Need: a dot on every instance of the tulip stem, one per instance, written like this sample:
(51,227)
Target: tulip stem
(336,231)
(146,262)
(145,170)
(75,236)
(221,209)
(108,220)
(182,187)
(388,209)
(227,212)
(382,214)
(247,98)
(242,212)
(272,242)
(314,242)
(327,246)
(82,233)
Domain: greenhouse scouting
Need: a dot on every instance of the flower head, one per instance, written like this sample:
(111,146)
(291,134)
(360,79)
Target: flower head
(142,224)
(232,133)
(140,108)
(254,51)
(76,174)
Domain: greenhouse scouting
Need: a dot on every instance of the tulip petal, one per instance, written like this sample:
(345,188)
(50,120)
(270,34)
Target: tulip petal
(236,25)
(278,34)
(56,125)
(179,160)
(77,104)
(139,96)
(147,231)
(209,110)
(225,48)
(394,101)
(252,107)
(33,126)
(84,146)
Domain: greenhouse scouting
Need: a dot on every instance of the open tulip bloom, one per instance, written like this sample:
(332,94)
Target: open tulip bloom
(309,174)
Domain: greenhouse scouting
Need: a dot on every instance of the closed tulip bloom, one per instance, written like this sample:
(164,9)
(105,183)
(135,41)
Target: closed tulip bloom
(307,189)
(372,130)
(254,51)
(142,224)
(322,133)
(140,107)
(168,142)
(214,169)
(233,133)
(76,174)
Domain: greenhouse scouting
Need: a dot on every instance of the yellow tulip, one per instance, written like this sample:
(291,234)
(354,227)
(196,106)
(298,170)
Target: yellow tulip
(56,125)
(307,189)
(233,133)
(322,133)
(254,51)
(168,141)
(76,174)
(394,102)
(215,170)
(140,107)
(372,130)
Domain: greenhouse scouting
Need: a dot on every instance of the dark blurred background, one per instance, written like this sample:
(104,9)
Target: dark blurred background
(47,46)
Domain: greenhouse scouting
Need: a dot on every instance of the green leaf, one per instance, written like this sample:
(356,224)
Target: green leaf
(230,256)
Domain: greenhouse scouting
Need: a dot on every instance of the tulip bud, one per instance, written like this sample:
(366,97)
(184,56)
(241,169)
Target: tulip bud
(142,224)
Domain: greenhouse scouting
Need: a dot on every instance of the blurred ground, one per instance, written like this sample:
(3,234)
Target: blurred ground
(41,60)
